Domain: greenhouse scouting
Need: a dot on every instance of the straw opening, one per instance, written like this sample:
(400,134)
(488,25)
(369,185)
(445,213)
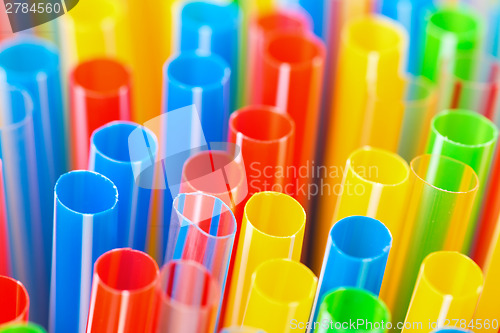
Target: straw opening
(295,48)
(102,76)
(28,56)
(281,20)
(15,300)
(383,36)
(261,124)
(211,14)
(192,70)
(92,12)
(454,21)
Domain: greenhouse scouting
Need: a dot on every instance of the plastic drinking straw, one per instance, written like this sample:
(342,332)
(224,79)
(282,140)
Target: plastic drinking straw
(109,156)
(292,77)
(94,29)
(202,81)
(85,226)
(273,227)
(412,14)
(356,256)
(99,92)
(150,31)
(420,105)
(450,32)
(453,330)
(440,201)
(22,328)
(187,299)
(241,329)
(15,301)
(4,240)
(346,305)
(448,287)
(471,139)
(266,139)
(210,27)
(281,294)
(19,166)
(369,88)
(123,291)
(260,28)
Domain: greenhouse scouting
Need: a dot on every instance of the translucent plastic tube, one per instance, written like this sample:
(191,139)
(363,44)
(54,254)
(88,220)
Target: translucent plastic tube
(281,293)
(356,256)
(22,198)
(85,227)
(260,28)
(93,29)
(241,329)
(15,301)
(450,32)
(470,138)
(346,305)
(202,80)
(451,330)
(210,27)
(448,287)
(4,245)
(273,227)
(99,92)
(266,139)
(359,114)
(292,80)
(123,291)
(191,306)
(22,328)
(110,156)
(375,184)
(440,201)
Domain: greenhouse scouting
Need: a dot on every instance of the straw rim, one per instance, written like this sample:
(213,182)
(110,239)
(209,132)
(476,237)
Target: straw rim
(433,28)
(96,174)
(293,264)
(230,10)
(150,135)
(147,258)
(120,89)
(262,108)
(299,17)
(196,55)
(195,225)
(348,220)
(476,117)
(214,286)
(317,60)
(452,160)
(20,288)
(427,85)
(28,115)
(278,194)
(111,17)
(393,156)
(466,261)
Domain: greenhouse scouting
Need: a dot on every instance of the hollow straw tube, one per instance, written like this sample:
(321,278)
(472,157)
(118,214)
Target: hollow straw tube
(24,224)
(347,305)
(187,299)
(359,112)
(440,201)
(85,226)
(262,26)
(126,277)
(273,227)
(202,80)
(450,32)
(266,139)
(99,92)
(292,77)
(22,328)
(471,139)
(452,330)
(420,105)
(356,256)
(281,293)
(241,329)
(448,287)
(15,301)
(210,27)
(375,184)
(4,240)
(110,156)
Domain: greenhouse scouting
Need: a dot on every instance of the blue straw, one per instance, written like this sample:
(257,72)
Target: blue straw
(355,256)
(209,27)
(317,10)
(85,226)
(111,157)
(17,151)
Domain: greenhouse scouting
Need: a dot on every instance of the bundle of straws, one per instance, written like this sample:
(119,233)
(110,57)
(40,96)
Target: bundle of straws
(243,166)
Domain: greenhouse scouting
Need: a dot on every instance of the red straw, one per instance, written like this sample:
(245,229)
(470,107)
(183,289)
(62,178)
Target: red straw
(14,301)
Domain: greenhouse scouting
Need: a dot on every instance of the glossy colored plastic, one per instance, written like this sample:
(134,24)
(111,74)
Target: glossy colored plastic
(22,328)
(15,301)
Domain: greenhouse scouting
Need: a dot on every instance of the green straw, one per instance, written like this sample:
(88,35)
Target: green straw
(352,310)
(22,328)
(451,32)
